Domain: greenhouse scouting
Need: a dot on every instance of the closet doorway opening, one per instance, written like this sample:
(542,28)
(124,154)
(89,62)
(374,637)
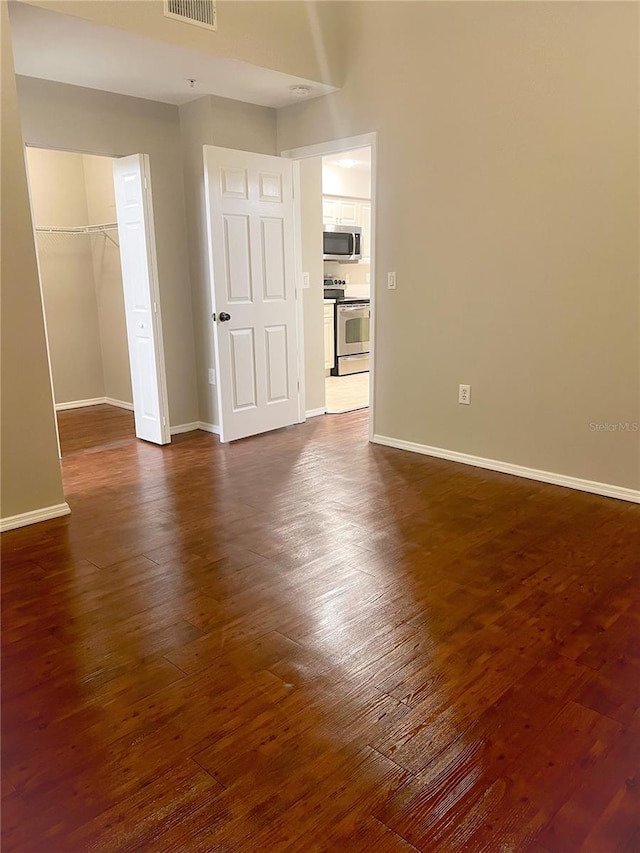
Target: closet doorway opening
(103,335)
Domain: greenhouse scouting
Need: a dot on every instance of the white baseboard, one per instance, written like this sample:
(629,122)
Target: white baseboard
(79,404)
(121,404)
(36,515)
(209,427)
(180,428)
(606,489)
(93,401)
(313,413)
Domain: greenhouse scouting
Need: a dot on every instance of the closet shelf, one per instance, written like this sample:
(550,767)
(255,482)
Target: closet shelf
(102,228)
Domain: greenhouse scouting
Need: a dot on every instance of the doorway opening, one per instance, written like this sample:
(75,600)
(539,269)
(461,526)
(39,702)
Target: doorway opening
(335,188)
(93,222)
(74,215)
(346,206)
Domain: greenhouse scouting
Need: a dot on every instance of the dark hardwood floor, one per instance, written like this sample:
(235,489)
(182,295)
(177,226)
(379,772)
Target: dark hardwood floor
(305,642)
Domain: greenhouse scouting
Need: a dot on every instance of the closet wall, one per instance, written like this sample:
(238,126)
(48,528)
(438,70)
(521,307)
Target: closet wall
(101,208)
(81,280)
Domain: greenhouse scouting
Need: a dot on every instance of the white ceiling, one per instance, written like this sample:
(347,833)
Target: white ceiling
(71,50)
(360,159)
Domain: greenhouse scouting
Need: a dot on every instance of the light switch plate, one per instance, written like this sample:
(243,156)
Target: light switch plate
(306,280)
(392,283)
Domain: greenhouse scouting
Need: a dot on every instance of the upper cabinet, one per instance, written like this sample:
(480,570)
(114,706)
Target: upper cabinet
(338,210)
(329,210)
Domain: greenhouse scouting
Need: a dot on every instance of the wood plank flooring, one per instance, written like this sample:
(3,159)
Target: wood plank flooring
(304,642)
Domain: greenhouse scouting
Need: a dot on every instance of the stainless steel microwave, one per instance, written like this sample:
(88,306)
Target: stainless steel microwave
(342,243)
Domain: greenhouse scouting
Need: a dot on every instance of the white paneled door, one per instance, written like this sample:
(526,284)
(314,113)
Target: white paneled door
(141,297)
(251,247)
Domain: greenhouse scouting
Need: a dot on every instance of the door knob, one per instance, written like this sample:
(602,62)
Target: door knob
(223,316)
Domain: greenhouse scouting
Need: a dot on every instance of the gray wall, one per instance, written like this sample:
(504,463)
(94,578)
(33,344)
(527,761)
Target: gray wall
(28,448)
(508,206)
(59,199)
(107,274)
(69,117)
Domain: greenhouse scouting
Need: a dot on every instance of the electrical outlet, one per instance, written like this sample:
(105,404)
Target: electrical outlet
(346,278)
(212,376)
(464,394)
(306,281)
(367,277)
(391,281)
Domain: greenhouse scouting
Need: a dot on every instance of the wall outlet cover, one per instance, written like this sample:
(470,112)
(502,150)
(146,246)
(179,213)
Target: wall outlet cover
(212,376)
(464,394)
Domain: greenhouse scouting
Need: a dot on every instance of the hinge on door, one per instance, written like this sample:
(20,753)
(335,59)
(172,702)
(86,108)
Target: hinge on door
(146,186)
(164,421)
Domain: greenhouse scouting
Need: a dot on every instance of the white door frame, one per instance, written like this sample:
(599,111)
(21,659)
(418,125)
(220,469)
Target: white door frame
(335,146)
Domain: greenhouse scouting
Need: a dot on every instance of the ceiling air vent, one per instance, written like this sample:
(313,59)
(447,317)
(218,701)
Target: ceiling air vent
(202,13)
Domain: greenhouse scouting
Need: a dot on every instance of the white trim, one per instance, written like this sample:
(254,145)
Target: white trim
(297,254)
(332,146)
(180,428)
(34,516)
(120,404)
(313,413)
(192,427)
(94,401)
(335,146)
(214,428)
(80,404)
(606,489)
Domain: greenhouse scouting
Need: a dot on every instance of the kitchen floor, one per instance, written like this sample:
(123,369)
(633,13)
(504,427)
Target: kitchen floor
(346,393)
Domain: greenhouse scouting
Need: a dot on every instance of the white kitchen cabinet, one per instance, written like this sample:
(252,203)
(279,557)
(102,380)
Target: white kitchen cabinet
(348,212)
(330,211)
(340,211)
(329,341)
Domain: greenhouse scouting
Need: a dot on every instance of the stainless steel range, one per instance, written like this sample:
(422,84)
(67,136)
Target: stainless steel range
(352,335)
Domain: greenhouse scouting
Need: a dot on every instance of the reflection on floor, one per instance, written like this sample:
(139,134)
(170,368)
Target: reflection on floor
(347,393)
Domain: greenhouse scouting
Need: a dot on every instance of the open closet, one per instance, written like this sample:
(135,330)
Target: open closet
(74,211)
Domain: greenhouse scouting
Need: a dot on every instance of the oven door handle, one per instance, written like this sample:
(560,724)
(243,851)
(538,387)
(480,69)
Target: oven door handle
(343,308)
